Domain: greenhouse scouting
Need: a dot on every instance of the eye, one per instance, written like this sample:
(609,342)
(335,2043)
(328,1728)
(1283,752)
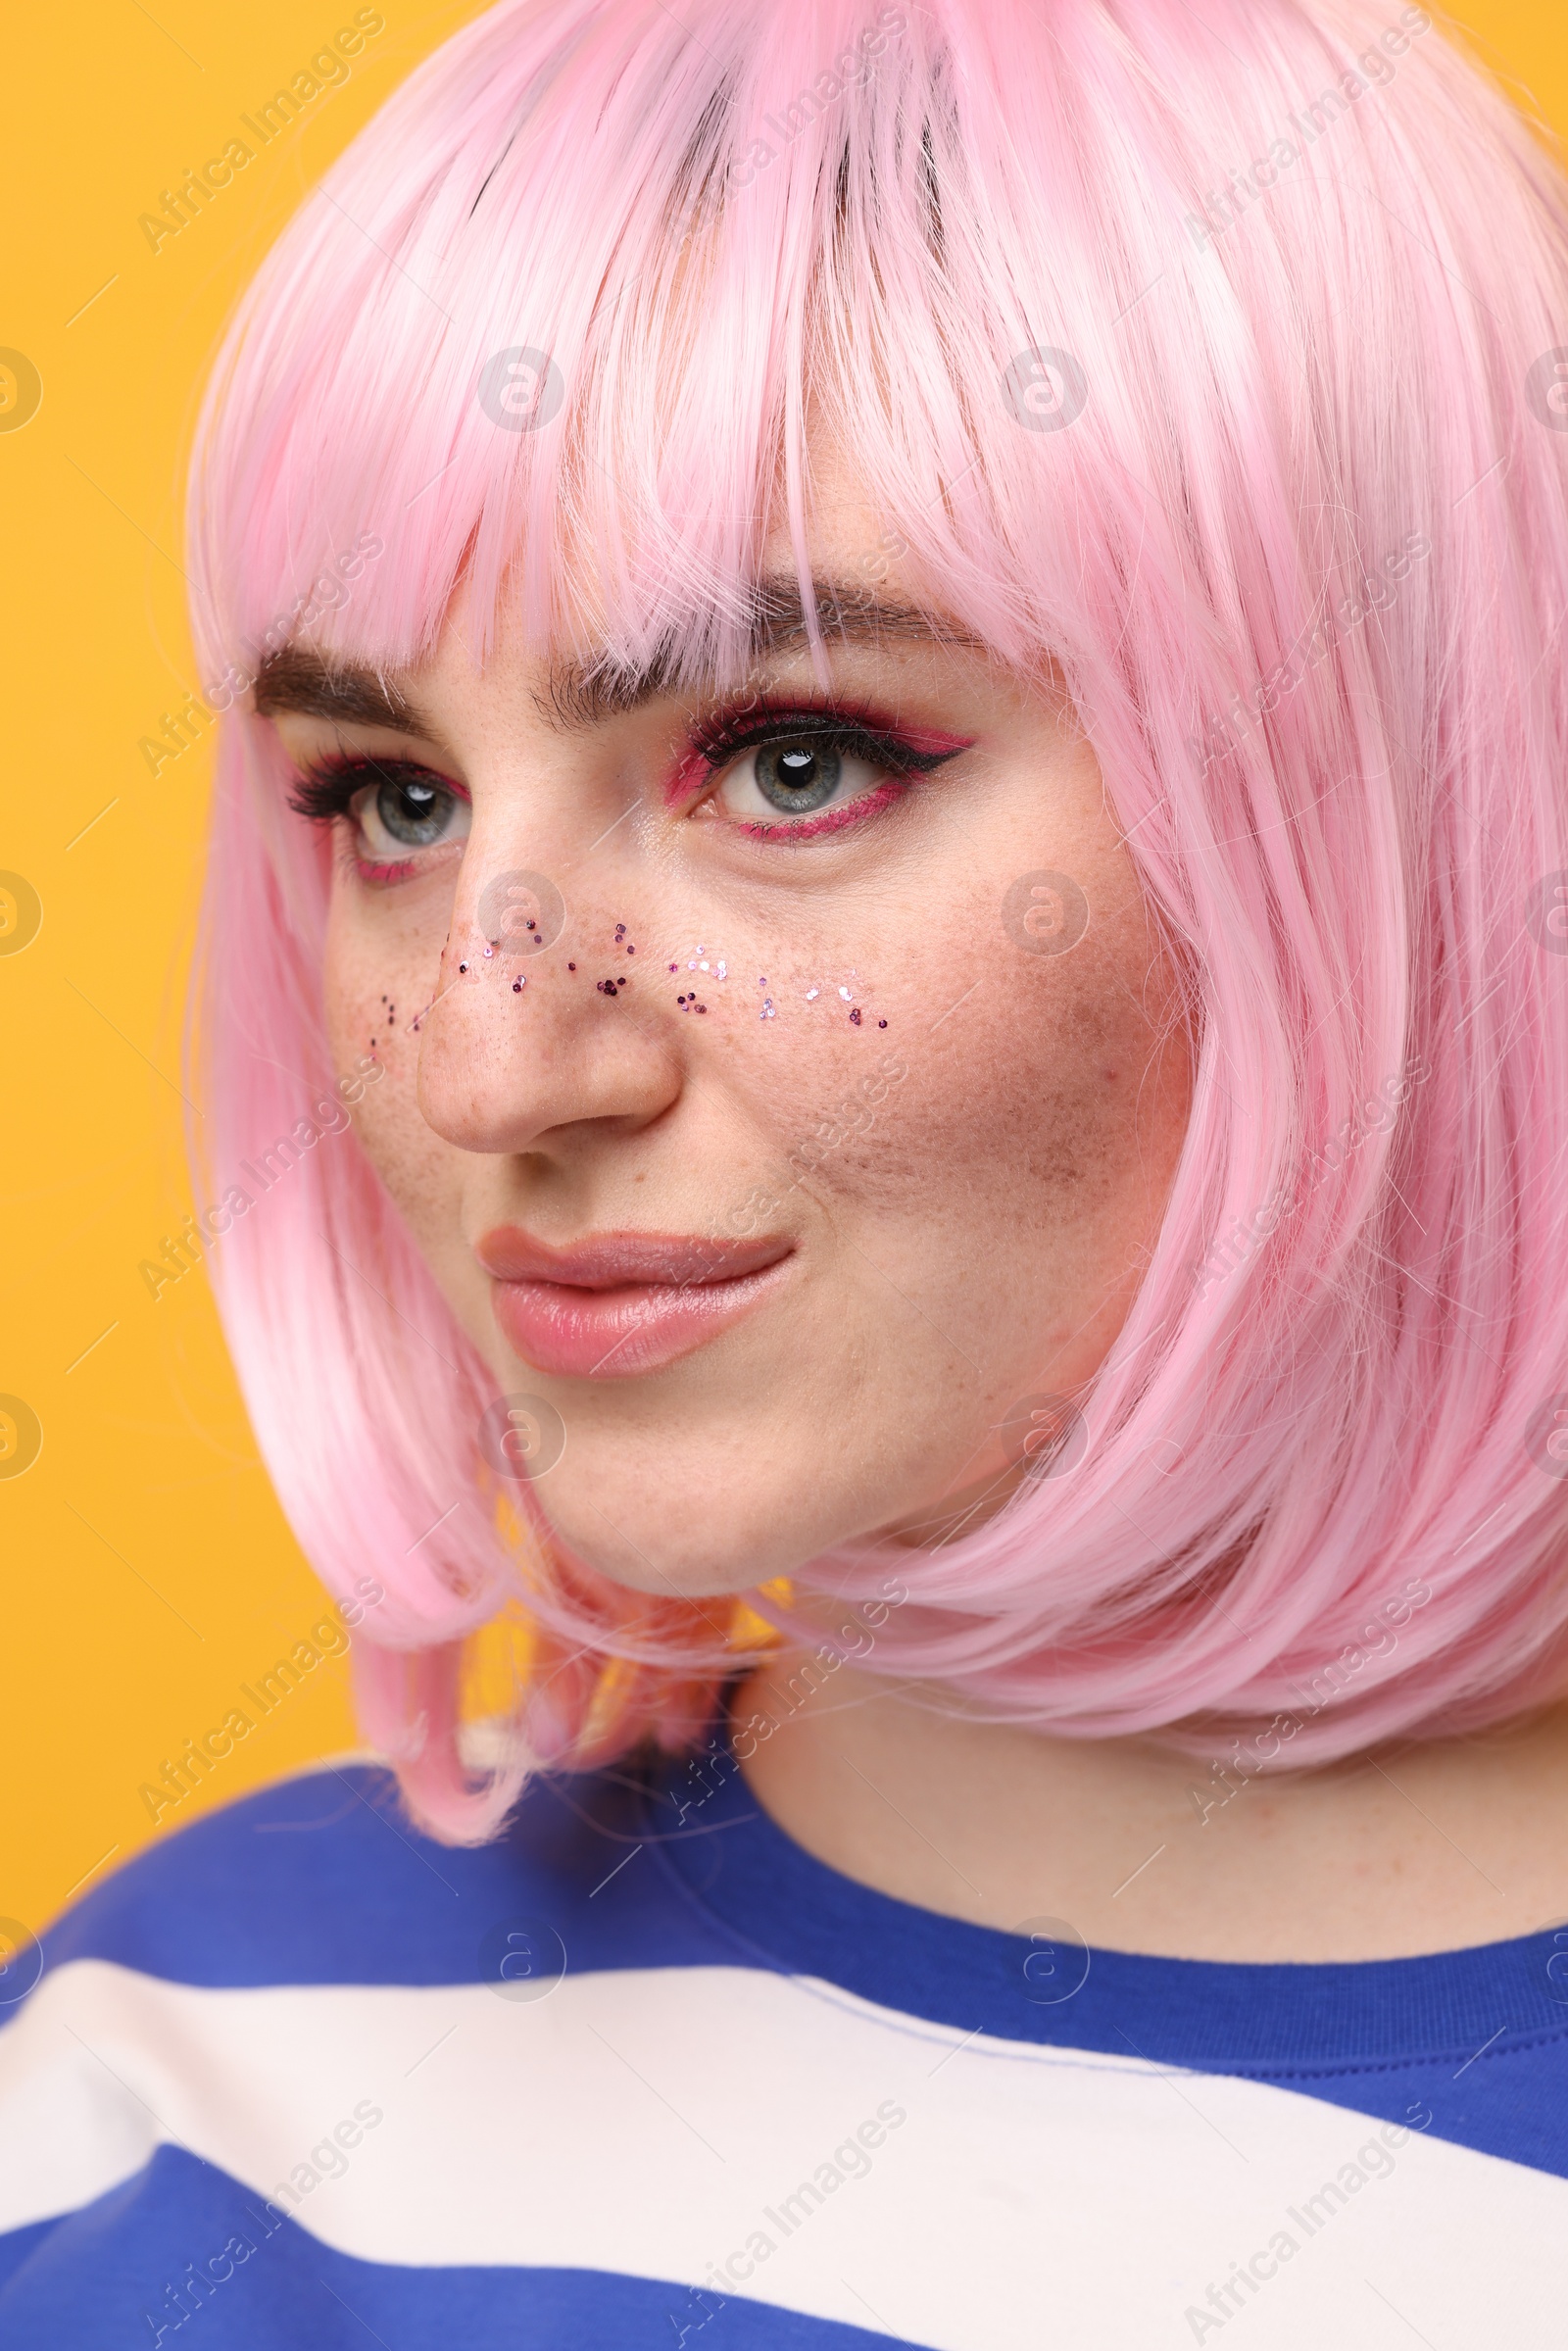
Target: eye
(396,805)
(408,809)
(798,775)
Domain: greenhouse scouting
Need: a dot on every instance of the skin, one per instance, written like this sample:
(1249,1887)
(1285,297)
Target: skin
(974,1239)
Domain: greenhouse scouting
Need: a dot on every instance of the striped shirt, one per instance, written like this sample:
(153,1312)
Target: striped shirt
(642,2073)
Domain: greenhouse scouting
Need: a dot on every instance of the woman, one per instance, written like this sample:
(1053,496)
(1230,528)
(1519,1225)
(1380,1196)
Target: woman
(896,725)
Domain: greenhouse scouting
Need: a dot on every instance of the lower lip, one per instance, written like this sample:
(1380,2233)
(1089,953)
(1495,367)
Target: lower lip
(616,1334)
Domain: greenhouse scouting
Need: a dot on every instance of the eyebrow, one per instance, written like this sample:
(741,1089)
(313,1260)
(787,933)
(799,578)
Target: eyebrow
(579,693)
(294,678)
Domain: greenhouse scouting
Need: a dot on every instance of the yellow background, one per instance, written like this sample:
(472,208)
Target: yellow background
(148,1571)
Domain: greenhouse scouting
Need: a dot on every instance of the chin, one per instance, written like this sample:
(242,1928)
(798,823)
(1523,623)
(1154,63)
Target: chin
(673,1533)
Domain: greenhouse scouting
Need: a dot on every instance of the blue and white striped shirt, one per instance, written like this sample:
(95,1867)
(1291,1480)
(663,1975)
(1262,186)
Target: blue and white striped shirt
(643,2073)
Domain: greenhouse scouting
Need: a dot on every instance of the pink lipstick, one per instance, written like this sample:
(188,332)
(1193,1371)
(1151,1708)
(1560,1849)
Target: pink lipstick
(616,1304)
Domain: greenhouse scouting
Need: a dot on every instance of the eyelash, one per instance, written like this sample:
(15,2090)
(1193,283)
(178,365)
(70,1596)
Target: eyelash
(325,789)
(725,736)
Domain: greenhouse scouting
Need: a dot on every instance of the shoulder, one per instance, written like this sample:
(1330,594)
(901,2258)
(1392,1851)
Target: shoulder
(323,1878)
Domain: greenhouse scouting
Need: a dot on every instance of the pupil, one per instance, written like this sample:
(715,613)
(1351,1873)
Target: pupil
(798,777)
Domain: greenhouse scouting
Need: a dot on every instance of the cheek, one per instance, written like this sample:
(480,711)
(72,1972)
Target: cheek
(1034,1098)
(1014,1183)
(376,984)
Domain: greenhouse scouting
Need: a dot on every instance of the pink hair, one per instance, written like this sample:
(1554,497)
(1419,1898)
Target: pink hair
(1148,396)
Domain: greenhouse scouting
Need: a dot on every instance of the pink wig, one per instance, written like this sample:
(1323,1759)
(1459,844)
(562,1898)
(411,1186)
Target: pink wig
(1214,359)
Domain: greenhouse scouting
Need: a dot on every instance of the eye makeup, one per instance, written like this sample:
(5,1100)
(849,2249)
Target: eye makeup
(802,785)
(799,751)
(410,803)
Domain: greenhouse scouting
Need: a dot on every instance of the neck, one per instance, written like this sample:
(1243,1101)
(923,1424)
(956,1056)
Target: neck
(1418,1847)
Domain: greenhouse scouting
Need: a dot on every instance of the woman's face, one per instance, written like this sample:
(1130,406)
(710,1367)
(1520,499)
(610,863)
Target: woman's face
(824,1138)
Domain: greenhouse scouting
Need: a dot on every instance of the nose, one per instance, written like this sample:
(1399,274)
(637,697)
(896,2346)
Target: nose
(545,1020)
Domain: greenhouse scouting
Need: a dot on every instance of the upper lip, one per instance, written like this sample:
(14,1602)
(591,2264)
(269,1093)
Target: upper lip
(626,1260)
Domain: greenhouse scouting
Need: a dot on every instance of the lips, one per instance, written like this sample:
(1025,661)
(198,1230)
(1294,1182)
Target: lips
(619,1304)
